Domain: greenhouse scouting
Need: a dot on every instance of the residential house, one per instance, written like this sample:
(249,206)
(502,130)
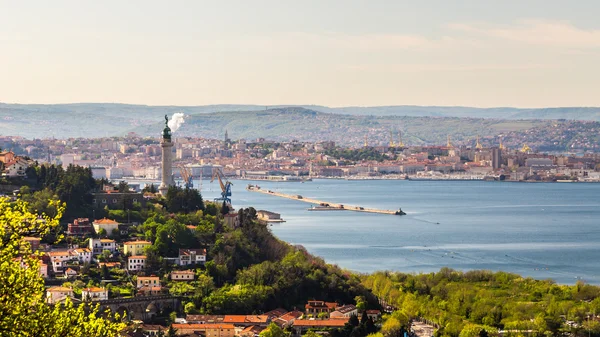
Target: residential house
(58,294)
(251,331)
(153,330)
(135,247)
(80,227)
(70,273)
(288,319)
(374,315)
(301,326)
(99,245)
(94,294)
(314,308)
(192,256)
(84,255)
(15,168)
(59,259)
(344,311)
(136,262)
(148,280)
(208,330)
(182,275)
(107,224)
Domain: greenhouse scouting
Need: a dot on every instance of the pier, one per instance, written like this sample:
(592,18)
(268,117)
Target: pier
(324,205)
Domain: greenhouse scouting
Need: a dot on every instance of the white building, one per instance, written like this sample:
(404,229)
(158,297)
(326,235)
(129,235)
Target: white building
(84,255)
(58,294)
(136,262)
(99,245)
(107,224)
(15,168)
(192,256)
(59,259)
(94,294)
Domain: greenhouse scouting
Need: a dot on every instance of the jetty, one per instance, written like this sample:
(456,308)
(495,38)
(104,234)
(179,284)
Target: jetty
(323,205)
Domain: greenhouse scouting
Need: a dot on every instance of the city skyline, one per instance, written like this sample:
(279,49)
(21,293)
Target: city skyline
(534,54)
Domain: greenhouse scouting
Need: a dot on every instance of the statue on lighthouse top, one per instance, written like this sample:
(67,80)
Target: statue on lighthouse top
(167,131)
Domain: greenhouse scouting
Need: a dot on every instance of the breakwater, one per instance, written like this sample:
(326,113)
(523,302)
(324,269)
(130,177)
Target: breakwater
(323,205)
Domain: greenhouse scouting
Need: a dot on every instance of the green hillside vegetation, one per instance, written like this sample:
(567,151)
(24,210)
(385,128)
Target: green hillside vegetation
(309,125)
(73,120)
(471,301)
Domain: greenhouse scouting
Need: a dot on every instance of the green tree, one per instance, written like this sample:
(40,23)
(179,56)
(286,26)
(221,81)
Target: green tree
(23,311)
(102,233)
(123,187)
(183,200)
(273,330)
(172,332)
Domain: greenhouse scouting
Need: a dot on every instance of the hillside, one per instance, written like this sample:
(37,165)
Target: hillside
(110,119)
(309,125)
(284,124)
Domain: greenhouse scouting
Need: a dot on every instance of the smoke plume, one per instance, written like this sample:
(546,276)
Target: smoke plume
(176,121)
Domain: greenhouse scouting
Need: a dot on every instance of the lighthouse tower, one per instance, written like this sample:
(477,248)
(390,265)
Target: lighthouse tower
(167,161)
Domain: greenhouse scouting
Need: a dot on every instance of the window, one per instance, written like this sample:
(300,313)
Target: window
(104,201)
(114,201)
(134,200)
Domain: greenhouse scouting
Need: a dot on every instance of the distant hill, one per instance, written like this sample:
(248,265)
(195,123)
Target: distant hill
(285,124)
(419,125)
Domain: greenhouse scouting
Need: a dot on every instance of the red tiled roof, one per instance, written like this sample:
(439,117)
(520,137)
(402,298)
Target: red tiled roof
(309,323)
(201,327)
(95,289)
(59,288)
(245,319)
(137,242)
(106,221)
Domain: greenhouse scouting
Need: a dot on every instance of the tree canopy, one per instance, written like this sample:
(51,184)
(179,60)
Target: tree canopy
(23,311)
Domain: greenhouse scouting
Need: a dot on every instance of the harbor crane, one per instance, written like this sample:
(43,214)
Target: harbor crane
(225,186)
(186,174)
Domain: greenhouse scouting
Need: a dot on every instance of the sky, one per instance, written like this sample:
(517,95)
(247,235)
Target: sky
(337,53)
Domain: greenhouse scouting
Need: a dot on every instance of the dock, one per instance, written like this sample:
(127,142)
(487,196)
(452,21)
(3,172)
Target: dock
(323,205)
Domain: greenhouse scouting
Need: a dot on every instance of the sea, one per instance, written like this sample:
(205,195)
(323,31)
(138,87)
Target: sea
(539,230)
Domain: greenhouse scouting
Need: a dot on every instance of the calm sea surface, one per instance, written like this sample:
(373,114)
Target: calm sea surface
(538,230)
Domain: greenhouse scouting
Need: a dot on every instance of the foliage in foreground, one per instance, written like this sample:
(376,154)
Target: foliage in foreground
(465,304)
(23,311)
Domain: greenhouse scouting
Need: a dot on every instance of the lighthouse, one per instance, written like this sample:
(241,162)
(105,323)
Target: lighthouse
(167,159)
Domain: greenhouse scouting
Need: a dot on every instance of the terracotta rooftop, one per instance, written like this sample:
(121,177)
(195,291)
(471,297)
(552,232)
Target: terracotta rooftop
(58,289)
(201,327)
(95,289)
(320,323)
(106,221)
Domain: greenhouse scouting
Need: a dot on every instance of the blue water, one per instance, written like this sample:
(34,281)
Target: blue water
(538,230)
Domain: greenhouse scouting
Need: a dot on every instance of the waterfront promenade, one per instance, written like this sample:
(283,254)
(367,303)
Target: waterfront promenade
(330,206)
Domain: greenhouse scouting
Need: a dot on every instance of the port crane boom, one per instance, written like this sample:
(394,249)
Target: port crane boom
(225,186)
(186,174)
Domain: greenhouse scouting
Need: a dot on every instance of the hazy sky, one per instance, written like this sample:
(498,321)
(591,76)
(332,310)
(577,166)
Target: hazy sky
(521,53)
